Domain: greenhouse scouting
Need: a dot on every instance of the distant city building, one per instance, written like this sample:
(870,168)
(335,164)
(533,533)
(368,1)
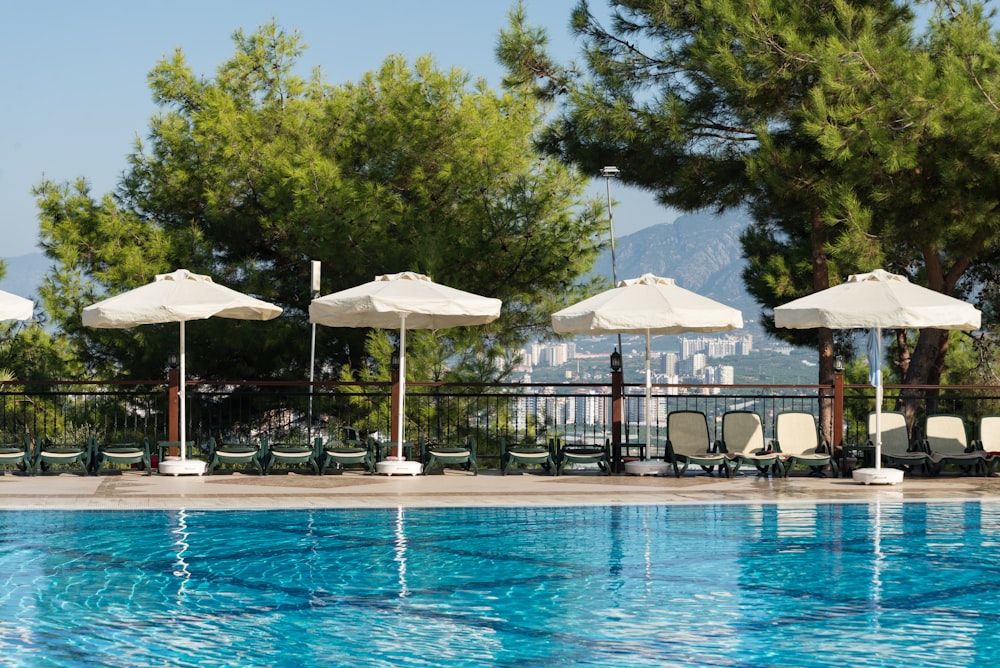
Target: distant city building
(727,375)
(667,364)
(698,362)
(718,346)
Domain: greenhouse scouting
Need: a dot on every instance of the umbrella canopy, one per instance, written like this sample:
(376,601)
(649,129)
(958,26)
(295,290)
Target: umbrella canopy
(877,299)
(873,301)
(403,301)
(646,305)
(177,297)
(13,307)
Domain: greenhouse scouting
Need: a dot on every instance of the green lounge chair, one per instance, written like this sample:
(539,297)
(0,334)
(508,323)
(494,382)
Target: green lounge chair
(897,450)
(688,442)
(134,452)
(349,449)
(947,443)
(63,454)
(528,454)
(743,442)
(450,455)
(797,440)
(234,454)
(291,454)
(16,452)
(567,454)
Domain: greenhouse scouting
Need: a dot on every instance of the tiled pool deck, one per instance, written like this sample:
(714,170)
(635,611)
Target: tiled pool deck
(133,490)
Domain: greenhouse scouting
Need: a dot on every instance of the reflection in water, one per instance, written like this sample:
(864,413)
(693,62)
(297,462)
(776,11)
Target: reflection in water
(400,553)
(180,534)
(878,564)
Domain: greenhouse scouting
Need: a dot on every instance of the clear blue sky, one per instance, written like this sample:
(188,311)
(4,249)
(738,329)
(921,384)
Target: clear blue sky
(74,92)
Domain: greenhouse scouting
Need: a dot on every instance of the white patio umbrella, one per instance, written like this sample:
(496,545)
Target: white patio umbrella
(646,305)
(874,301)
(13,307)
(177,297)
(405,300)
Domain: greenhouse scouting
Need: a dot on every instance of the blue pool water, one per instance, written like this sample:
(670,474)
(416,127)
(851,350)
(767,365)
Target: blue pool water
(726,585)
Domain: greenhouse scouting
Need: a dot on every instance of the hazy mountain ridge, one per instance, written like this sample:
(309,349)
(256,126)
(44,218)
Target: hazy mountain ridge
(700,251)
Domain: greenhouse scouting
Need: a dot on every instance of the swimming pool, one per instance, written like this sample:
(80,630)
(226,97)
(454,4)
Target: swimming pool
(737,585)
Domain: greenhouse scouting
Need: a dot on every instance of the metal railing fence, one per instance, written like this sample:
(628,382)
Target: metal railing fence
(492,414)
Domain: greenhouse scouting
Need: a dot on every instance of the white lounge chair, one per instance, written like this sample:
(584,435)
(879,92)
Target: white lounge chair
(897,450)
(989,438)
(797,440)
(688,442)
(743,442)
(947,443)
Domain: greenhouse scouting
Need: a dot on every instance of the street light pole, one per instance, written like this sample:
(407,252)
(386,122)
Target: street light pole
(314,285)
(608,172)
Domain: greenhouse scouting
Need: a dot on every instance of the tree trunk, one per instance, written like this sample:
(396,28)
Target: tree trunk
(821,281)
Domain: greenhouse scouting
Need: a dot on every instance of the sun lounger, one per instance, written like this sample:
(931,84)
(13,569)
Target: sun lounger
(528,454)
(688,442)
(797,440)
(580,453)
(743,442)
(349,448)
(51,454)
(16,452)
(897,450)
(947,443)
(989,439)
(234,454)
(133,452)
(445,454)
(290,454)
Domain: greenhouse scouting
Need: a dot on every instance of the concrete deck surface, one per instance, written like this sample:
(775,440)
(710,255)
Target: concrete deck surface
(233,490)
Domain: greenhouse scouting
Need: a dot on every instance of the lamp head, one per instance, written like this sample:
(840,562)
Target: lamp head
(616,361)
(838,364)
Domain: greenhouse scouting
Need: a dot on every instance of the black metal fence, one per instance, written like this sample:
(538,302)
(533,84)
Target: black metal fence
(494,414)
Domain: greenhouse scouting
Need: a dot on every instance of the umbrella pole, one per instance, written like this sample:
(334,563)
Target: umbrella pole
(878,403)
(183,398)
(649,399)
(402,385)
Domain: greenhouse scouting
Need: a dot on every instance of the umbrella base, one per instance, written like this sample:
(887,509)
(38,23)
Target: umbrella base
(398,467)
(646,467)
(872,476)
(176,467)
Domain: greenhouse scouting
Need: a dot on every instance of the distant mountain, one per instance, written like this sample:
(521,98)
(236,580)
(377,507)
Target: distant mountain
(24,274)
(699,251)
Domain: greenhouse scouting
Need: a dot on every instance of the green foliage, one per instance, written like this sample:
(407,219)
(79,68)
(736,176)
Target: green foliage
(853,141)
(250,175)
